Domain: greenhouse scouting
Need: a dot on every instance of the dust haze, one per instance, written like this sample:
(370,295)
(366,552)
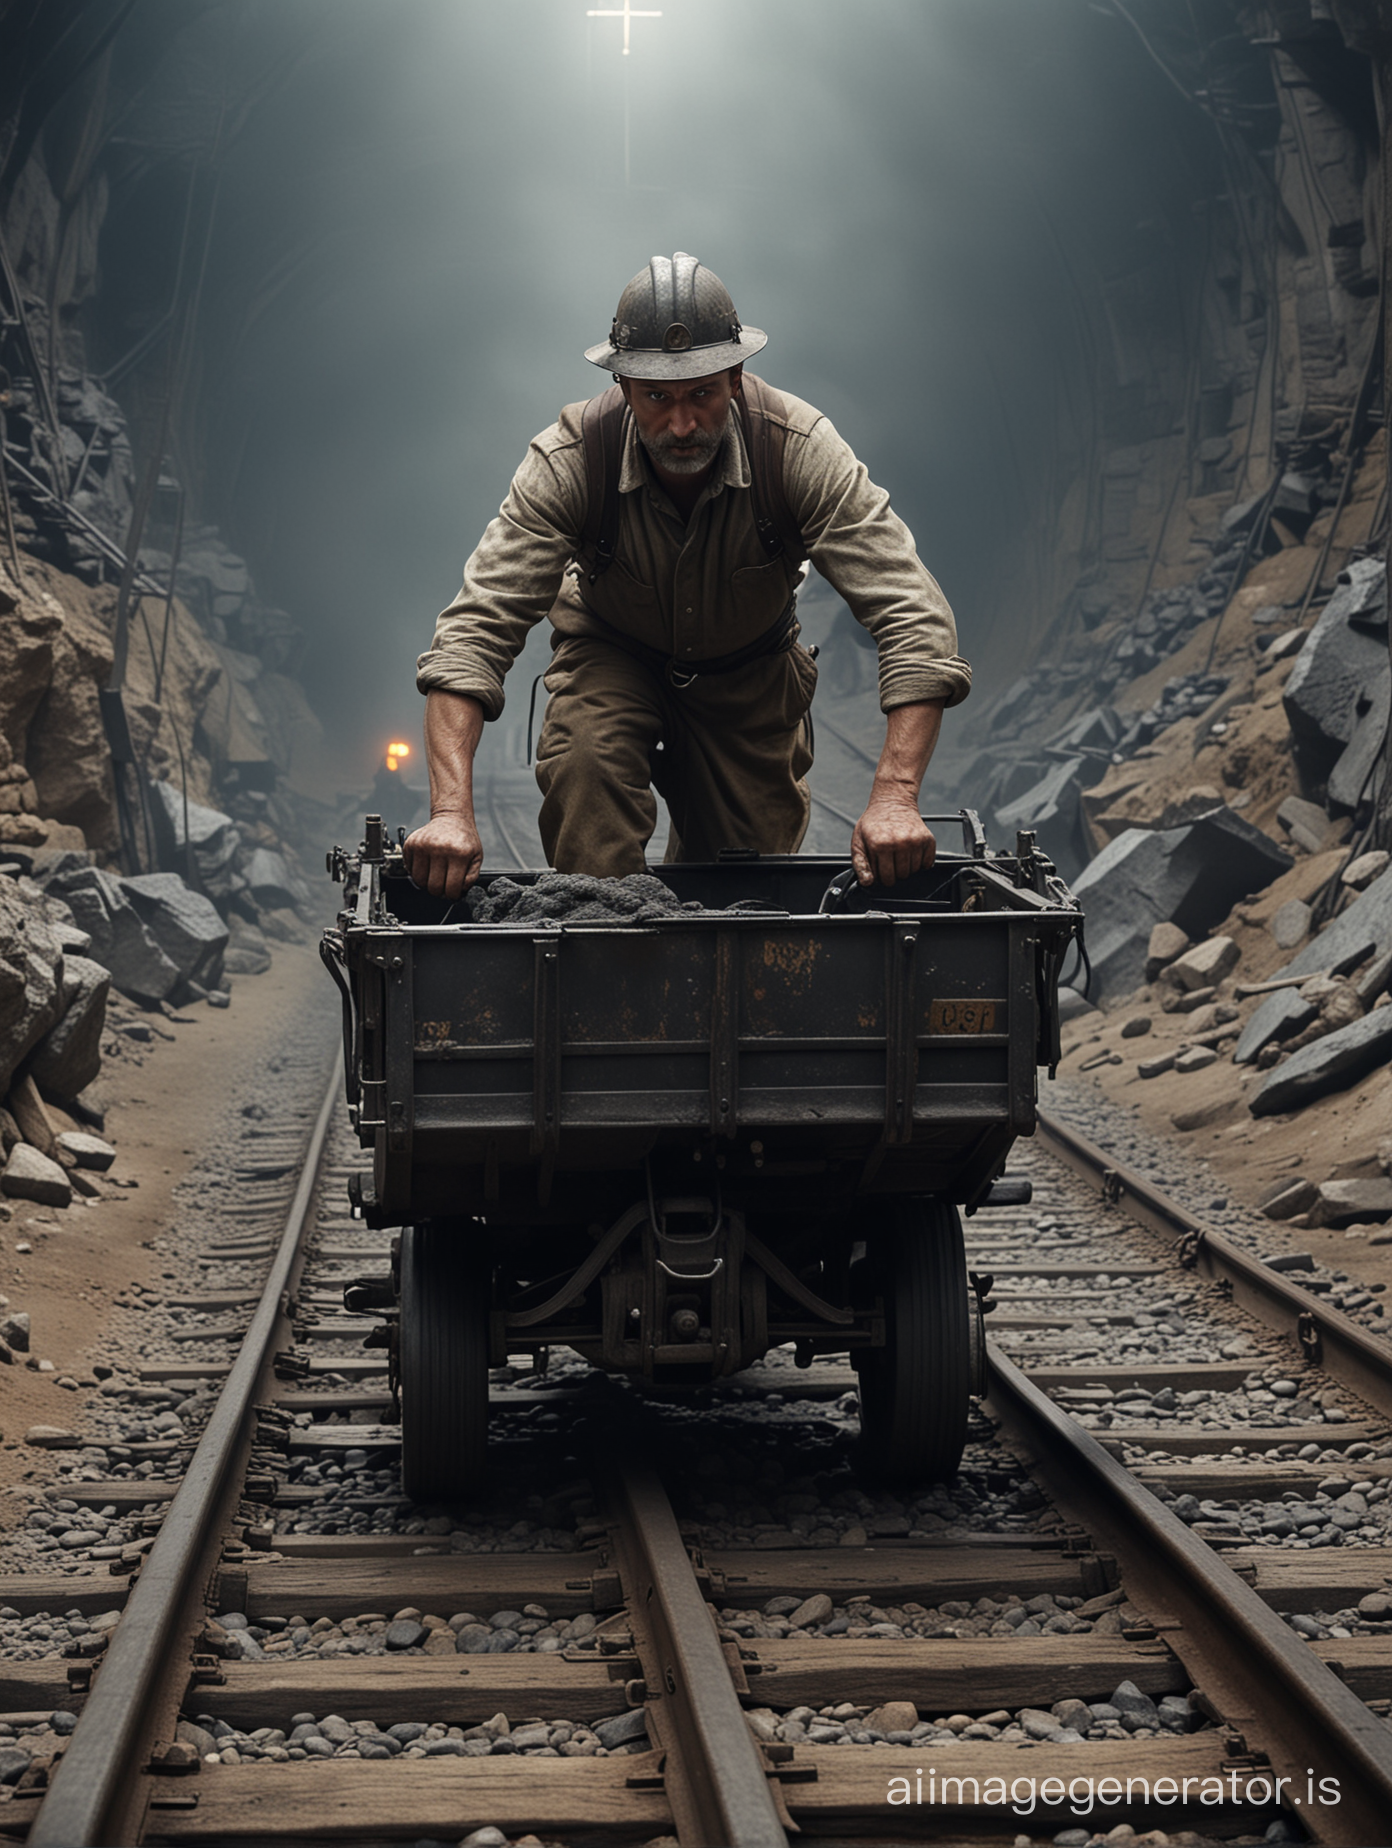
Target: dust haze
(426,216)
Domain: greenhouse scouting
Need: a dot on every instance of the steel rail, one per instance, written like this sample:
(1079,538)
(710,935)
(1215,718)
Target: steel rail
(1263,1678)
(94,1786)
(716,1779)
(1327,1337)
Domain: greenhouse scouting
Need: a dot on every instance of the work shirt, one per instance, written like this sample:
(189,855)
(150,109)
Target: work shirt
(697,589)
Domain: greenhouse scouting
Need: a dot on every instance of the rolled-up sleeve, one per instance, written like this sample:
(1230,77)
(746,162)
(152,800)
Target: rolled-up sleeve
(867,554)
(512,579)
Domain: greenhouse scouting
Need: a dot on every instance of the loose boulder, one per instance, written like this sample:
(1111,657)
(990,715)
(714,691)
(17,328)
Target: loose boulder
(1351,778)
(1354,935)
(1190,876)
(1291,924)
(184,924)
(1166,942)
(31,962)
(120,941)
(1359,874)
(1052,807)
(273,885)
(68,1057)
(249,953)
(1339,661)
(1329,1064)
(30,1176)
(1205,965)
(214,838)
(86,1151)
(1305,822)
(1292,1197)
(1341,1203)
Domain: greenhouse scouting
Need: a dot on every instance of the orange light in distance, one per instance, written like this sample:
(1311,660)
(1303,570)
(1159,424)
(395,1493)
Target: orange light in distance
(395,753)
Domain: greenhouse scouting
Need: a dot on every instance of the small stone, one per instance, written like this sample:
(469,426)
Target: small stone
(1205,965)
(814,1610)
(1135,1708)
(1288,644)
(1073,1713)
(87,1151)
(1294,1197)
(14,1330)
(405,1633)
(1195,1059)
(893,1716)
(1176,1001)
(14,1762)
(1360,873)
(622,1728)
(1290,925)
(1167,941)
(854,1536)
(52,1437)
(1155,1068)
(1306,822)
(1136,1027)
(488,1837)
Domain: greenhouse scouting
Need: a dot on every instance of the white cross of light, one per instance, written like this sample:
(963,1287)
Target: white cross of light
(627,13)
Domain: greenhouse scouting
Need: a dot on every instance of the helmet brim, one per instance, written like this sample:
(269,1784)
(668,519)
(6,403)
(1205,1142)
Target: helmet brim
(691,363)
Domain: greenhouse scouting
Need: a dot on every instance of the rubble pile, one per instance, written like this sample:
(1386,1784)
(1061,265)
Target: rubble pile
(91,949)
(1239,920)
(53,1000)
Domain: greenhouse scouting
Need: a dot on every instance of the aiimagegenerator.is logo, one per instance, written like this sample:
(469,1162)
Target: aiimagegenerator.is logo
(1082,1795)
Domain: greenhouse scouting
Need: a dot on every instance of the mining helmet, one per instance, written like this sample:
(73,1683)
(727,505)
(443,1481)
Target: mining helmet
(675,320)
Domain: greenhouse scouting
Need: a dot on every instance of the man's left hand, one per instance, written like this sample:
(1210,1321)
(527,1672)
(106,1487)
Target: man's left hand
(890,842)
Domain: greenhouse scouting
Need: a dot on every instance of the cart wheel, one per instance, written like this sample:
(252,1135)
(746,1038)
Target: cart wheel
(915,1390)
(445,1300)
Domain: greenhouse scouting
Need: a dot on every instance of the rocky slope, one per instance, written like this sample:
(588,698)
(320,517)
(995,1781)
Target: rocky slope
(151,728)
(1200,734)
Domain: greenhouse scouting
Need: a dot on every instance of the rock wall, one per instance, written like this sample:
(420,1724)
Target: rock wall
(1225,391)
(140,671)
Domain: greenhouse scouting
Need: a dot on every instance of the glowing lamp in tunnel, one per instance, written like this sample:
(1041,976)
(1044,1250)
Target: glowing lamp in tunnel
(395,753)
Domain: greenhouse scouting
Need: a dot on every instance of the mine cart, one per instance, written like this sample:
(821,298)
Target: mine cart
(674,1145)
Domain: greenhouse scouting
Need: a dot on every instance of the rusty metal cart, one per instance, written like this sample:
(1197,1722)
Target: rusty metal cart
(673,1146)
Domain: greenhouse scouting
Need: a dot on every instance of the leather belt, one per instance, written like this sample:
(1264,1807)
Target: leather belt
(778,638)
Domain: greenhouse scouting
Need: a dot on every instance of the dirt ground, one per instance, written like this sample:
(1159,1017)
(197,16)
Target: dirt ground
(160,1117)
(1332,1139)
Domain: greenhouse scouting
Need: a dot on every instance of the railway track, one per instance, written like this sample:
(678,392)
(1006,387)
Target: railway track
(501,834)
(855,1665)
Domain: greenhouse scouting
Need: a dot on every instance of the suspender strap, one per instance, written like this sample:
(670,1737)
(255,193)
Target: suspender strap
(765,434)
(602,425)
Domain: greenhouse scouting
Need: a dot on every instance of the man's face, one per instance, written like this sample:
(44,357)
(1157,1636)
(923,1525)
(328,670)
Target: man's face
(681,422)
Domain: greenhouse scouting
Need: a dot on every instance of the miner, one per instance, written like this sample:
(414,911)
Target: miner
(663,528)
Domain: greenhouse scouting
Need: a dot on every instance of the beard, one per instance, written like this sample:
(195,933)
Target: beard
(704,447)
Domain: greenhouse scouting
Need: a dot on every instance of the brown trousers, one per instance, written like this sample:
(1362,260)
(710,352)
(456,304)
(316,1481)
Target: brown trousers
(729,755)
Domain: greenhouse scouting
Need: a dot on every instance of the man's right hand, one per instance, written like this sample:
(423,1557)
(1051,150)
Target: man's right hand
(445,856)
